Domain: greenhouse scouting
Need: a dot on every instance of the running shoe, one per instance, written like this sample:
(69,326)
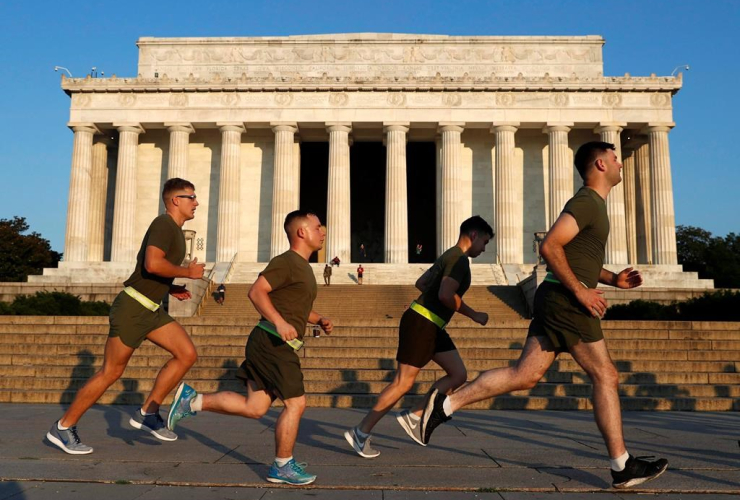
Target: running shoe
(411,426)
(362,448)
(153,424)
(433,414)
(638,470)
(67,440)
(290,473)
(180,407)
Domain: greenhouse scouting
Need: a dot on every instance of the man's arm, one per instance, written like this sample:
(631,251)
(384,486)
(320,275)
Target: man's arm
(451,300)
(552,250)
(156,263)
(423,282)
(258,294)
(325,323)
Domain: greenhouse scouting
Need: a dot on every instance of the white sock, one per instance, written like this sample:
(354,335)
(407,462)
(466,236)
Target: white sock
(619,463)
(280,462)
(447,407)
(414,417)
(59,426)
(196,404)
(144,414)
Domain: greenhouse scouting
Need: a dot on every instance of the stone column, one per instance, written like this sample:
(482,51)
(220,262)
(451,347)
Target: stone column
(285,185)
(124,246)
(509,210)
(339,236)
(630,203)
(616,245)
(227,242)
(451,214)
(663,217)
(561,168)
(98,198)
(643,206)
(78,205)
(438,189)
(179,145)
(396,202)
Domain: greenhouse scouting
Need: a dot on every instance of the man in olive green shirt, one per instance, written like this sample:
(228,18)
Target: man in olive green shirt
(136,314)
(422,336)
(283,295)
(567,312)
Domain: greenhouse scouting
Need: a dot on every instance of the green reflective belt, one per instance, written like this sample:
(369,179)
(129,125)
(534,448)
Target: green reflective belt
(550,278)
(270,328)
(420,309)
(141,298)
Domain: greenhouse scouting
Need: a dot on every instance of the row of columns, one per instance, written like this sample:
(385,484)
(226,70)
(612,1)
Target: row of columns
(640,208)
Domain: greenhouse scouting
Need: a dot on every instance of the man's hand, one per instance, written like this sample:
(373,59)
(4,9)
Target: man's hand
(326,325)
(593,300)
(628,278)
(481,318)
(195,270)
(286,331)
(180,292)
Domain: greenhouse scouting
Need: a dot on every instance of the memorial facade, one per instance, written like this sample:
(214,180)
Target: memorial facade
(459,125)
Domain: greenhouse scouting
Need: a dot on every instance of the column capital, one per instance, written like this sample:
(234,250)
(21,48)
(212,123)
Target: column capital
(610,127)
(557,127)
(284,127)
(396,127)
(338,127)
(504,127)
(450,126)
(658,127)
(84,127)
(129,127)
(231,127)
(180,127)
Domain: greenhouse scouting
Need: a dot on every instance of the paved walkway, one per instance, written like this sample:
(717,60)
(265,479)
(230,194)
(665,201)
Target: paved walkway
(479,454)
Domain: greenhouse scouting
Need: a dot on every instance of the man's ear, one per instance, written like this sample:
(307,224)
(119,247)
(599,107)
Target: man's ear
(599,164)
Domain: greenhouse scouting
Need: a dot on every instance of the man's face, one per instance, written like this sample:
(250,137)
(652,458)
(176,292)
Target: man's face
(480,240)
(613,168)
(313,233)
(185,203)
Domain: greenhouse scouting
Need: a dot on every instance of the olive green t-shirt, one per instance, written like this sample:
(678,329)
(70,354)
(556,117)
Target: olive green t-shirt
(585,252)
(293,288)
(165,234)
(455,264)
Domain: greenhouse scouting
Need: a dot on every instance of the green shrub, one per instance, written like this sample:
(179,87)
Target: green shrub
(642,309)
(722,305)
(54,304)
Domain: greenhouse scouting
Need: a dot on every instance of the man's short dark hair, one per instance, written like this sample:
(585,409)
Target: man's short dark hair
(296,214)
(175,184)
(587,154)
(478,224)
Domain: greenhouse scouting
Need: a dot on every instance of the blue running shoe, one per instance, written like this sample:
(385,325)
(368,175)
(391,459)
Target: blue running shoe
(180,407)
(290,473)
(152,423)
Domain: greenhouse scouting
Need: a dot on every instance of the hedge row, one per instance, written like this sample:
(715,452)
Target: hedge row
(53,304)
(722,305)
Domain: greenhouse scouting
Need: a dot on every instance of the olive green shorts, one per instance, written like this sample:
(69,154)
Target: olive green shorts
(132,322)
(561,318)
(272,365)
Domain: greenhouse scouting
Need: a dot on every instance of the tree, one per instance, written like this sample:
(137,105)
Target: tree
(712,257)
(23,254)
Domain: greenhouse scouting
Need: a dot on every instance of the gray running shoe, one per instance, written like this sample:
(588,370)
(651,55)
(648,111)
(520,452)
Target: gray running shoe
(411,426)
(362,448)
(153,424)
(67,440)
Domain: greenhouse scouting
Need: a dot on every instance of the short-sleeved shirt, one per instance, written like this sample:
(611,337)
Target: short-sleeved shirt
(455,264)
(165,234)
(293,288)
(585,252)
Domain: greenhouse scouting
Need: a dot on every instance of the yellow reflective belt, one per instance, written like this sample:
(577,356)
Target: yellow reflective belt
(270,328)
(141,298)
(415,306)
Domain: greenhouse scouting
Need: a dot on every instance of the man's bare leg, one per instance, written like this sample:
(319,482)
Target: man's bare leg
(254,405)
(401,384)
(286,427)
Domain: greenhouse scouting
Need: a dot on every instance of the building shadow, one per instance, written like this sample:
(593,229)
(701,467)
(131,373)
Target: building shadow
(358,391)
(228,381)
(83,370)
(13,489)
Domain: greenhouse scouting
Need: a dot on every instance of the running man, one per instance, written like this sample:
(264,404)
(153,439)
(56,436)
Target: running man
(422,336)
(567,312)
(136,314)
(283,294)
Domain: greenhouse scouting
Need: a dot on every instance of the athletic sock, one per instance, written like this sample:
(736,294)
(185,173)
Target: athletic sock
(447,407)
(618,464)
(280,462)
(59,426)
(145,414)
(197,403)
(414,417)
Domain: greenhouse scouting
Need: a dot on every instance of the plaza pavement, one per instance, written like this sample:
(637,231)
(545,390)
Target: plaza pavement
(478,455)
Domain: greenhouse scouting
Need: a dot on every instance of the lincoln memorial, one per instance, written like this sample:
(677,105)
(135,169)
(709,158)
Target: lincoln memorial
(392,140)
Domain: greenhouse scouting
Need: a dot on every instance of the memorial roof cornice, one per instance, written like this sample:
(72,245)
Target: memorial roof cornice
(339,84)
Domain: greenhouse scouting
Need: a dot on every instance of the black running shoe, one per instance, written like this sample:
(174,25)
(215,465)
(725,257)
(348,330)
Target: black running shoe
(433,414)
(638,470)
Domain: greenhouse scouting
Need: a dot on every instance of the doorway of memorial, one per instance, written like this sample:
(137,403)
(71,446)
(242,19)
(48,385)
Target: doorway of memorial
(314,182)
(367,217)
(421,186)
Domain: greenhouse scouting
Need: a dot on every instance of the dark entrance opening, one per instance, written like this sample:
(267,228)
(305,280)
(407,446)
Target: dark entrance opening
(314,180)
(367,219)
(421,181)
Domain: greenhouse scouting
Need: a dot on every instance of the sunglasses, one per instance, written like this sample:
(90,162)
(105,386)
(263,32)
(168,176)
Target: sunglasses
(190,197)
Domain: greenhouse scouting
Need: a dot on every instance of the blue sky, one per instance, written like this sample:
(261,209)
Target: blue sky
(642,37)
